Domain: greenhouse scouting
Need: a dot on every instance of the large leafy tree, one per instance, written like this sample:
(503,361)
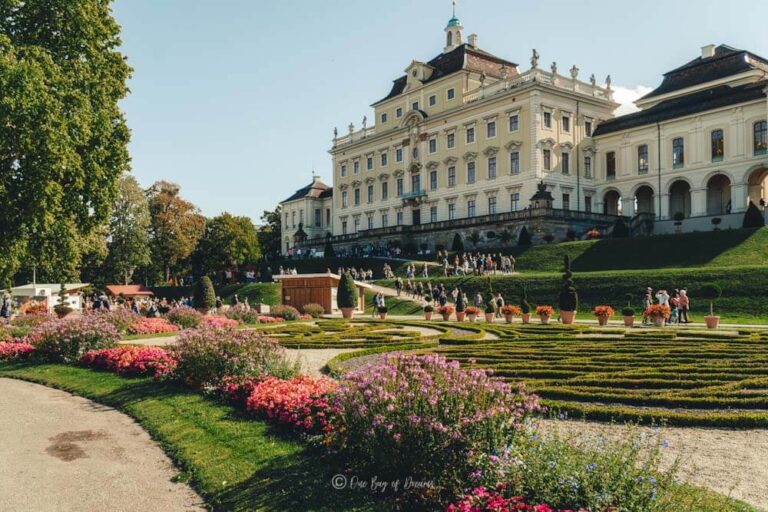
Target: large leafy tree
(228,241)
(128,231)
(63,139)
(176,226)
(270,231)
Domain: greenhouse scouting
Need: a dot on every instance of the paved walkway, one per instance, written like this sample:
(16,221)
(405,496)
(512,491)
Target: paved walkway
(63,453)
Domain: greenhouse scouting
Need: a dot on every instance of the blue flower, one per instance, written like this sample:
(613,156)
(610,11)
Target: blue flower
(591,467)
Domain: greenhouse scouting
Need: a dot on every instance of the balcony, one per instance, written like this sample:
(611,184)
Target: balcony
(414,198)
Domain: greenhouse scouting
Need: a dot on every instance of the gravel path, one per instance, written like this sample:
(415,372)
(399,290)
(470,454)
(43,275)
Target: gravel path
(731,462)
(61,453)
(314,360)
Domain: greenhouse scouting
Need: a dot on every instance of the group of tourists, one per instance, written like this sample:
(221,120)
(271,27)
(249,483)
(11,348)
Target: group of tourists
(477,264)
(365,275)
(379,302)
(287,271)
(678,302)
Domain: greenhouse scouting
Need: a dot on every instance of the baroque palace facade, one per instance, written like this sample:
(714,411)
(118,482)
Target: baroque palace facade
(467,143)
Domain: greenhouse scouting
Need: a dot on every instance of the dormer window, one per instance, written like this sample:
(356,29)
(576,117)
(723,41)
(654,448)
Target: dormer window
(415,105)
(415,73)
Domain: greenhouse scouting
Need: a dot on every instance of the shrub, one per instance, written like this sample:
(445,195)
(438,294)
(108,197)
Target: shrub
(314,310)
(753,217)
(382,309)
(490,306)
(30,321)
(628,312)
(15,351)
(131,361)
(525,237)
(328,251)
(460,305)
(678,217)
(207,356)
(204,296)
(185,317)
(348,295)
(121,318)
(569,299)
(525,306)
(620,229)
(242,314)
(219,322)
(458,243)
(67,339)
(152,326)
(300,403)
(711,292)
(285,312)
(425,418)
(428,307)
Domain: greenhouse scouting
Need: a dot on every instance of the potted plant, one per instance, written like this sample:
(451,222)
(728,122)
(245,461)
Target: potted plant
(603,313)
(428,310)
(347,296)
(569,299)
(544,313)
(446,312)
(658,313)
(711,292)
(461,307)
(525,308)
(628,313)
(510,312)
(490,310)
(472,313)
(383,312)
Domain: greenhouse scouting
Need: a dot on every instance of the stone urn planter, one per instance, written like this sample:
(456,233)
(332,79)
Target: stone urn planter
(567,317)
(544,319)
(602,320)
(460,316)
(471,317)
(658,320)
(489,317)
(428,315)
(508,318)
(347,313)
(712,321)
(629,321)
(526,318)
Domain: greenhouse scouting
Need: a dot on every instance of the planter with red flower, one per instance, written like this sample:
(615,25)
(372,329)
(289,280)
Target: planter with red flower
(658,313)
(510,312)
(603,313)
(544,313)
(472,313)
(446,312)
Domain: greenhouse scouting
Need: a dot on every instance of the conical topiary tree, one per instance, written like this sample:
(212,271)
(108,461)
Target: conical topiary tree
(204,296)
(348,295)
(329,252)
(620,229)
(753,218)
(524,238)
(460,305)
(569,298)
(525,306)
(458,243)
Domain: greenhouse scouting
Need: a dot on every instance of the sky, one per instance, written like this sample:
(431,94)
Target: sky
(236,100)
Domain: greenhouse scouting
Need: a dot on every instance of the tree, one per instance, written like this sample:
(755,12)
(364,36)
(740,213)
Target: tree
(474,237)
(204,296)
(347,295)
(620,229)
(753,218)
(458,243)
(329,252)
(64,138)
(128,231)
(228,241)
(270,232)
(569,299)
(711,292)
(524,238)
(175,226)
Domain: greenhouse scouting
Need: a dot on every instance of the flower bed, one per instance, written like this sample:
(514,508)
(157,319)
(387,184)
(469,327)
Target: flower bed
(31,321)
(269,319)
(301,403)
(219,322)
(15,351)
(121,318)
(68,339)
(153,361)
(152,326)
(285,312)
(185,317)
(242,314)
(485,500)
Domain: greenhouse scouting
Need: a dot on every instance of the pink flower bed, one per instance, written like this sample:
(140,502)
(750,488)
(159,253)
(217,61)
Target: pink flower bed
(301,402)
(483,500)
(131,361)
(219,322)
(269,320)
(14,351)
(152,326)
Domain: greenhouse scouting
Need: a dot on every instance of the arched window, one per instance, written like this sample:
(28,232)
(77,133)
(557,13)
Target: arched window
(449,40)
(718,147)
(761,137)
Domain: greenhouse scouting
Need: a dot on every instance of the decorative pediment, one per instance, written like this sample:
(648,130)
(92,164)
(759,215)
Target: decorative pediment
(589,149)
(432,165)
(414,167)
(471,195)
(451,160)
(513,145)
(566,145)
(383,210)
(470,156)
(343,186)
(356,184)
(398,173)
(514,188)
(492,193)
(370,180)
(547,143)
(451,199)
(412,119)
(383,177)
(491,151)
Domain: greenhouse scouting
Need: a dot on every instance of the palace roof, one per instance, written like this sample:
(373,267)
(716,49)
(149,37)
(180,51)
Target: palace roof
(316,189)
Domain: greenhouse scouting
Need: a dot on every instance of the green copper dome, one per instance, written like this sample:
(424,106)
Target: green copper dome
(454,22)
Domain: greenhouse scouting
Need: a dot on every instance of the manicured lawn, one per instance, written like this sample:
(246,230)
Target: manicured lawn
(234,462)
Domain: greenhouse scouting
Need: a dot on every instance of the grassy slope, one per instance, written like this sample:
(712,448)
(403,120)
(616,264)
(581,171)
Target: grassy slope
(257,293)
(234,462)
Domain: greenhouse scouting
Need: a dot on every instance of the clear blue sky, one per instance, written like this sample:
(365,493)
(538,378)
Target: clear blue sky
(236,100)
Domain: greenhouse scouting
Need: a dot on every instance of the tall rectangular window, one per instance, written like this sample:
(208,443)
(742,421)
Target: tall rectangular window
(433,145)
(384,117)
(318,217)
(399,112)
(471,172)
(566,201)
(344,227)
(587,166)
(416,183)
(452,176)
(491,129)
(370,193)
(588,128)
(327,216)
(399,218)
(760,138)
(514,162)
(678,153)
(357,197)
(384,190)
(293,219)
(610,165)
(432,100)
(491,206)
(492,168)
(451,211)
(357,224)
(399,187)
(384,220)
(642,159)
(344,200)
(514,123)
(384,159)
(718,148)
(415,105)
(343,171)
(433,180)
(433,214)
(369,163)
(399,154)
(565,163)
(450,140)
(514,200)
(370,222)
(547,160)
(566,124)
(357,167)
(471,135)
(588,204)
(471,208)
(451,94)
(547,119)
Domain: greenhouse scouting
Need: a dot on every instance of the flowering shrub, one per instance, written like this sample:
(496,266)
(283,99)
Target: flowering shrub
(657,310)
(131,361)
(593,234)
(207,356)
(67,339)
(15,351)
(242,314)
(237,389)
(33,308)
(5,334)
(314,310)
(472,310)
(285,312)
(185,317)
(544,311)
(121,318)
(606,311)
(301,403)
(269,320)
(426,418)
(509,309)
(447,310)
(144,325)
(305,317)
(219,322)
(484,500)
(31,321)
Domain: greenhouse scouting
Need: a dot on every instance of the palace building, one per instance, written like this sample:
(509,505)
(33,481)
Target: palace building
(468,143)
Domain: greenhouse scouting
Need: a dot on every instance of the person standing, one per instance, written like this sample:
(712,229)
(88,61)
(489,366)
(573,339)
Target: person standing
(5,308)
(399,285)
(647,302)
(499,304)
(684,304)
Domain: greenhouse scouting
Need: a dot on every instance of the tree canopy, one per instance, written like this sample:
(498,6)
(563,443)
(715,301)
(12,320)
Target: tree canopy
(270,231)
(228,241)
(128,232)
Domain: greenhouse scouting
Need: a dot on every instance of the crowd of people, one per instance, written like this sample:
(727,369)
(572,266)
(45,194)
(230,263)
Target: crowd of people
(678,302)
(476,264)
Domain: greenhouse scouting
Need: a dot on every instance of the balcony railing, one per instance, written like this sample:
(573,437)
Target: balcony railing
(415,196)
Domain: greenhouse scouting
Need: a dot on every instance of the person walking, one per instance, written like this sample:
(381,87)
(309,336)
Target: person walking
(684,305)
(647,302)
(5,307)
(399,285)
(499,304)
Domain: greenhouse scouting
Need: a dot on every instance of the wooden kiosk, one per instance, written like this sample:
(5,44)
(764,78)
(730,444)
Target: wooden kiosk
(300,290)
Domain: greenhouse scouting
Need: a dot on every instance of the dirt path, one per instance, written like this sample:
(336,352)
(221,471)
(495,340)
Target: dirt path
(731,462)
(60,452)
(314,360)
